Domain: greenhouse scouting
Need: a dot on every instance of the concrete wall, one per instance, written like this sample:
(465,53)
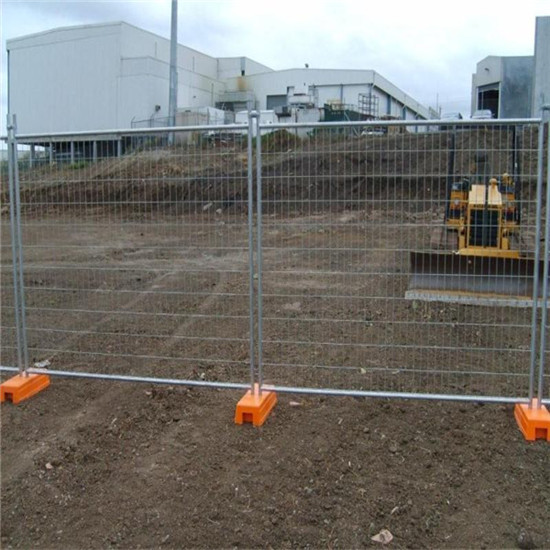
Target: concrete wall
(488,72)
(516,88)
(512,77)
(541,85)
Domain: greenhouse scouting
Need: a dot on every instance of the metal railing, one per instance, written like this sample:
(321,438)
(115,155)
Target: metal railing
(282,260)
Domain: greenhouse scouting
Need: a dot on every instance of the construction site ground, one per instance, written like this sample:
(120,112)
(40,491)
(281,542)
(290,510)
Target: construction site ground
(100,464)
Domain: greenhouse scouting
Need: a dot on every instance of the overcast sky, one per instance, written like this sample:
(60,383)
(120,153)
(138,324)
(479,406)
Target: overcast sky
(427,48)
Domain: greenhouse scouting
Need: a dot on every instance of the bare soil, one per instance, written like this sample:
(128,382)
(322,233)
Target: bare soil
(121,278)
(92,464)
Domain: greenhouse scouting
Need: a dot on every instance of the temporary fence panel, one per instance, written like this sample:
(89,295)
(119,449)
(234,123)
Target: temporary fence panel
(345,210)
(135,264)
(143,260)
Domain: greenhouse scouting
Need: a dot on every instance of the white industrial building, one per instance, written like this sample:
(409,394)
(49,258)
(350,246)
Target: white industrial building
(99,77)
(114,75)
(318,87)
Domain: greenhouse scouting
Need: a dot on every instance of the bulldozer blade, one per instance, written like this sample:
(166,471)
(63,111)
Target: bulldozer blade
(483,276)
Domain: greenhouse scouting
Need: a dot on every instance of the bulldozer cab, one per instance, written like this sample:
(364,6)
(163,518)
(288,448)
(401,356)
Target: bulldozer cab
(485,230)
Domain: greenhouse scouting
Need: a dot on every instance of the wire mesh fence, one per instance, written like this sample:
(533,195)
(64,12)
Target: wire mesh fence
(345,215)
(365,264)
(137,265)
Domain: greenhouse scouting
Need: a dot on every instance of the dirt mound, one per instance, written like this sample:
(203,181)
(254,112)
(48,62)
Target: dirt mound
(324,172)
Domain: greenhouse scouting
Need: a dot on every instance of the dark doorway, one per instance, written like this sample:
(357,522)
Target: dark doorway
(488,98)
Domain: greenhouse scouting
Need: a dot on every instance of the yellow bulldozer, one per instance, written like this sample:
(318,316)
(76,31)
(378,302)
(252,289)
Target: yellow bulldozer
(481,260)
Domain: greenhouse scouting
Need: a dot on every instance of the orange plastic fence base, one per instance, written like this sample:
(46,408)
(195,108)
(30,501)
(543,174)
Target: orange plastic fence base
(22,387)
(533,422)
(254,408)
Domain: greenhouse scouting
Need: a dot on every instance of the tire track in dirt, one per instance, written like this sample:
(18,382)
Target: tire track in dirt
(61,429)
(14,463)
(109,316)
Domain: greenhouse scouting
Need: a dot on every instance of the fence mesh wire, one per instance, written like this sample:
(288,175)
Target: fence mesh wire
(138,264)
(343,211)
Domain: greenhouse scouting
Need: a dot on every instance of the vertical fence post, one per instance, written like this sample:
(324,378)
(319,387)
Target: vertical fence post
(25,384)
(259,245)
(250,168)
(12,163)
(536,285)
(21,284)
(544,313)
(257,403)
(534,418)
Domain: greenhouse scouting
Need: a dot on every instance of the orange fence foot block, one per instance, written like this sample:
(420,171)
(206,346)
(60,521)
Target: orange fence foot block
(533,422)
(255,408)
(22,387)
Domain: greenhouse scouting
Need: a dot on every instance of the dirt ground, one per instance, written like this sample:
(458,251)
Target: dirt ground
(120,279)
(97,464)
(91,464)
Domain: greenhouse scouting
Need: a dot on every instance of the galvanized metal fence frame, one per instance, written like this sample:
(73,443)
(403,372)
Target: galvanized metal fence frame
(544,328)
(17,248)
(18,251)
(256,244)
(539,327)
